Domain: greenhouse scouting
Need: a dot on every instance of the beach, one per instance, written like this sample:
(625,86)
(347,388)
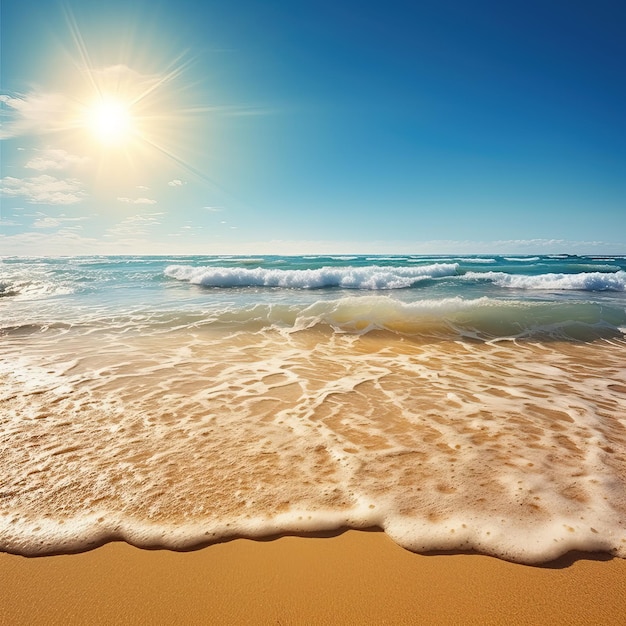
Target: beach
(312,314)
(356,577)
(244,422)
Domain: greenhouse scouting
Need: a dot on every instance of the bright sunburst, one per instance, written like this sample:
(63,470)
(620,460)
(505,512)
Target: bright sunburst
(110,121)
(128,108)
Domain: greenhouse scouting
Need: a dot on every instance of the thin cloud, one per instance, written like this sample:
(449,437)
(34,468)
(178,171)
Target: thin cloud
(40,242)
(5,221)
(213,209)
(32,114)
(47,222)
(529,242)
(176,183)
(136,200)
(134,226)
(44,189)
(55,159)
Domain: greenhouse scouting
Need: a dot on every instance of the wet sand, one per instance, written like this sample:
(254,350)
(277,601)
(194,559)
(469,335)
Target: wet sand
(350,578)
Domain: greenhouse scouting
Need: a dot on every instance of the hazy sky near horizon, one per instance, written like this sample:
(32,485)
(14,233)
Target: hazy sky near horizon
(133,127)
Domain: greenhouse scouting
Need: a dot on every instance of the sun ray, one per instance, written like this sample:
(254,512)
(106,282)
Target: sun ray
(171,155)
(81,48)
(170,76)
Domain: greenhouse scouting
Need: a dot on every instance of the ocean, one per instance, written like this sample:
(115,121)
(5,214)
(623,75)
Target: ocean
(458,403)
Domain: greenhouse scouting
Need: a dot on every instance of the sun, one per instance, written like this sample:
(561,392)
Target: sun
(110,121)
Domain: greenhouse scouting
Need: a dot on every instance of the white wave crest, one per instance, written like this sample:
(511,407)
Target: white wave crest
(477,260)
(584,281)
(370,277)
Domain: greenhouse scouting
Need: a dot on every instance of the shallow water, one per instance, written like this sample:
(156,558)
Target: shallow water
(169,414)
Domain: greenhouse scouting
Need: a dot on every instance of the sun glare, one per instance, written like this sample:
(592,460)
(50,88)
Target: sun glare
(126,116)
(110,121)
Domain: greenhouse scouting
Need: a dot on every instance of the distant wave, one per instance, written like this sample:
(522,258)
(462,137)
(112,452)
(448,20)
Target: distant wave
(522,259)
(246,260)
(584,281)
(477,260)
(370,277)
(399,257)
(456,259)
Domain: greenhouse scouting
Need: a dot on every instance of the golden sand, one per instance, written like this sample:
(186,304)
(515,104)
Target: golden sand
(350,578)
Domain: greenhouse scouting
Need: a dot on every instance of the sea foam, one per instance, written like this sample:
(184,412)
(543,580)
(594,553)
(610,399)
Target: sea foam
(461,414)
(181,439)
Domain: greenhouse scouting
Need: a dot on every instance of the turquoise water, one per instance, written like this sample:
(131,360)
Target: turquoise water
(496,295)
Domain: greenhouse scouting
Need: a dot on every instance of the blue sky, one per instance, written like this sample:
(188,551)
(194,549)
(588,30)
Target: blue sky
(289,127)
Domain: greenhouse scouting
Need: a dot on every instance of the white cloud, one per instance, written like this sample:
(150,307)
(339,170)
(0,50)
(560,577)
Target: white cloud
(36,243)
(137,200)
(536,243)
(43,189)
(47,222)
(54,159)
(5,221)
(213,209)
(142,187)
(33,113)
(138,225)
(145,218)
(176,183)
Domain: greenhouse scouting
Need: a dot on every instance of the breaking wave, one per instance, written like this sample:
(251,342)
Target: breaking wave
(370,277)
(584,281)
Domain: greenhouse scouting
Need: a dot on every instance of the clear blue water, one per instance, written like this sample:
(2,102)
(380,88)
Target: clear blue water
(541,289)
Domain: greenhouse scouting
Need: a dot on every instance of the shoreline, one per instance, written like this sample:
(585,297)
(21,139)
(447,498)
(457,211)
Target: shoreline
(333,578)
